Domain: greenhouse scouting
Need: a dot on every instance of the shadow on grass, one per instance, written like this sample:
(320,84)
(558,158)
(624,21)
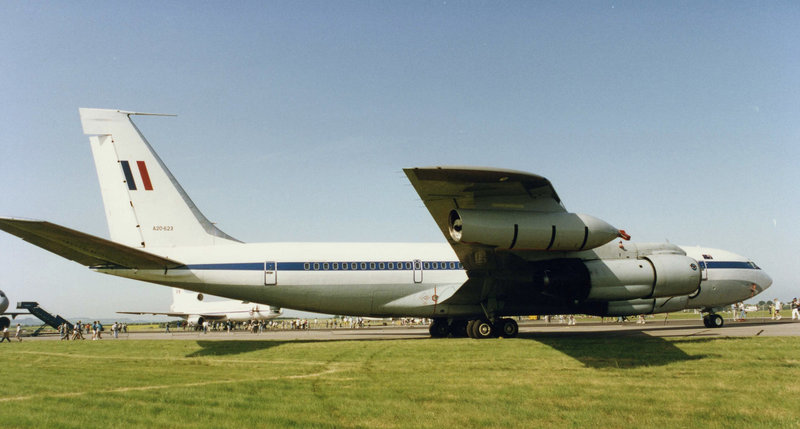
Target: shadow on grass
(224,348)
(599,350)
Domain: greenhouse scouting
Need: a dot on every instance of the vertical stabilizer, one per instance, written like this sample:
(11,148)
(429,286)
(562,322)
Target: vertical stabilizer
(185,301)
(145,206)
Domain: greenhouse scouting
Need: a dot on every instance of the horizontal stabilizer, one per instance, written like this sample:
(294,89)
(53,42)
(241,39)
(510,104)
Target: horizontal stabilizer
(83,248)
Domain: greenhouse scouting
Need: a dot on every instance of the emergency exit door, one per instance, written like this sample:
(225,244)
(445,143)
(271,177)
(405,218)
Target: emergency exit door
(270,273)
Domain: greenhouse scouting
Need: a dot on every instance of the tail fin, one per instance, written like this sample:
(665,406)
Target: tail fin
(185,300)
(145,205)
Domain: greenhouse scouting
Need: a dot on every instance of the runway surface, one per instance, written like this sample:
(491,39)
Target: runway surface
(528,329)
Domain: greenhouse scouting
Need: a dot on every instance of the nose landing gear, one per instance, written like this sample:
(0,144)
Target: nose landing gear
(713,320)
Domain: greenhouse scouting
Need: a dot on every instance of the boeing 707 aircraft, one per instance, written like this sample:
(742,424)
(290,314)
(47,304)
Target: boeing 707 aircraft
(512,249)
(194,308)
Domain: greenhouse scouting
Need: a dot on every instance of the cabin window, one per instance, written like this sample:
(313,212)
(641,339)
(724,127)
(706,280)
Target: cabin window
(306,266)
(316,266)
(363,265)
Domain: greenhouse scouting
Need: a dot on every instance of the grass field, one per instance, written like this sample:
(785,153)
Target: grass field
(533,381)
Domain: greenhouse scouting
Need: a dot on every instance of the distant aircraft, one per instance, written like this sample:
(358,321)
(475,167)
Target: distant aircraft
(5,321)
(512,249)
(193,308)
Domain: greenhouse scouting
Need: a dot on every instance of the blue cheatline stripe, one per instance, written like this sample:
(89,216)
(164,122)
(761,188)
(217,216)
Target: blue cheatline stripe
(730,264)
(126,168)
(329,266)
(384,266)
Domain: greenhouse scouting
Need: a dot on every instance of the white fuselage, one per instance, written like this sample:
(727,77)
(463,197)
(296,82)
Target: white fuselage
(381,279)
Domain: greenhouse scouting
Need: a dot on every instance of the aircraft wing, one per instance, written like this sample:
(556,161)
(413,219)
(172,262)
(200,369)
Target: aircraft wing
(83,248)
(184,315)
(444,189)
(154,313)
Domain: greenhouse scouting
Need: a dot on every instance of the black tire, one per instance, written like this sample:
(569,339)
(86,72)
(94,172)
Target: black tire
(508,328)
(458,329)
(439,328)
(484,329)
(716,321)
(471,328)
(706,322)
(4,322)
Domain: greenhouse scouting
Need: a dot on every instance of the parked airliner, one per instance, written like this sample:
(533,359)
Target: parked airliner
(5,321)
(512,249)
(195,308)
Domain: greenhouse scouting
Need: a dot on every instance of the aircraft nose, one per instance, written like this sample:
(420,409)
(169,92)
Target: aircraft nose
(765,281)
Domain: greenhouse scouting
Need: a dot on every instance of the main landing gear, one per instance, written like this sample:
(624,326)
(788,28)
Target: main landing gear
(477,328)
(713,320)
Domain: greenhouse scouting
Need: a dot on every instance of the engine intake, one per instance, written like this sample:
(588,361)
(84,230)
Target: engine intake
(508,229)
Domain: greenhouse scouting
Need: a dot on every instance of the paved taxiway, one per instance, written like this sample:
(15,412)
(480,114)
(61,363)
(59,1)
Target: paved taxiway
(528,329)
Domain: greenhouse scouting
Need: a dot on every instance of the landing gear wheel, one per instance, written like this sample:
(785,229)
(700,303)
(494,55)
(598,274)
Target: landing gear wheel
(458,329)
(706,322)
(471,328)
(508,328)
(483,329)
(439,328)
(715,321)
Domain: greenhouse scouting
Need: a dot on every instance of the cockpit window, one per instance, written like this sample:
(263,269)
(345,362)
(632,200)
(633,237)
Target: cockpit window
(753,264)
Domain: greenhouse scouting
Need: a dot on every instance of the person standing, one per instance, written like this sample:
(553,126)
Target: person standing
(795,309)
(777,305)
(19,331)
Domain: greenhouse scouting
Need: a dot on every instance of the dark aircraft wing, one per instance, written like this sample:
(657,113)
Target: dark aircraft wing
(83,248)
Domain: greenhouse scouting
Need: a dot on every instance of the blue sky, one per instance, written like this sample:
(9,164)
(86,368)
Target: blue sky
(676,121)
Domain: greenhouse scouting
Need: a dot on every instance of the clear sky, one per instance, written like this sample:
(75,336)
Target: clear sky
(675,121)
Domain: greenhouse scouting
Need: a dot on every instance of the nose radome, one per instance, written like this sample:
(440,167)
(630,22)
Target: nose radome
(766,281)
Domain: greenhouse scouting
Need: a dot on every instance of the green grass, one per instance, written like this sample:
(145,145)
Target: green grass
(534,381)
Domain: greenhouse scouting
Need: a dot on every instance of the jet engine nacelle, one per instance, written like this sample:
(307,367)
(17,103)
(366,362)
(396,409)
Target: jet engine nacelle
(195,320)
(3,302)
(654,276)
(514,229)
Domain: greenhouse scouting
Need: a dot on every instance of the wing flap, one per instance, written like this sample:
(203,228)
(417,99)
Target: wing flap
(83,248)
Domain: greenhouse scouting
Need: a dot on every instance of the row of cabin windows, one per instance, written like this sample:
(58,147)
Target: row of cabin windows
(352,266)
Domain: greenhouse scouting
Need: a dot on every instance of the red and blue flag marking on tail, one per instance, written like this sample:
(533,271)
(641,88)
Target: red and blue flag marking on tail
(126,169)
